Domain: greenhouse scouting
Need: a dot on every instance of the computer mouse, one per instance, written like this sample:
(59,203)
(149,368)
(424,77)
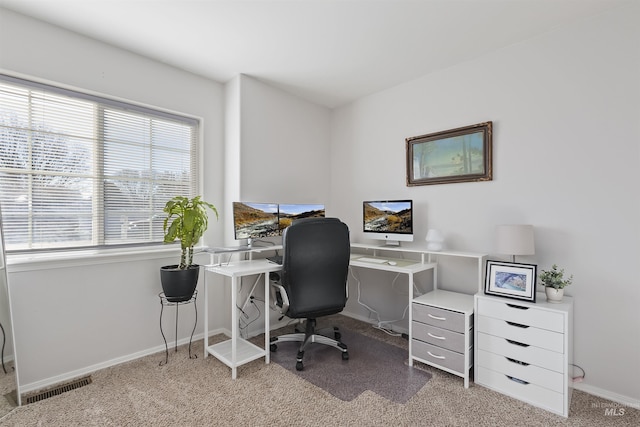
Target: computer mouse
(392,263)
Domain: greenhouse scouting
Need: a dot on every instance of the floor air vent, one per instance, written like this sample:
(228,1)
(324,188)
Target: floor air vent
(41,395)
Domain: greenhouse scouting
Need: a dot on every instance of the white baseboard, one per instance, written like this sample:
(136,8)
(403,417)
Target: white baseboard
(48,382)
(609,395)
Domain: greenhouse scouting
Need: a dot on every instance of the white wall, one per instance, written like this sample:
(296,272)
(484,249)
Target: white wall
(276,148)
(79,316)
(276,151)
(566,111)
(284,150)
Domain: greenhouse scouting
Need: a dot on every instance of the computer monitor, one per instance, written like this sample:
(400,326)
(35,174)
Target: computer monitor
(287,213)
(388,220)
(255,220)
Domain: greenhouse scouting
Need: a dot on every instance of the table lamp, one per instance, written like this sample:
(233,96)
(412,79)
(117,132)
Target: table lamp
(515,239)
(434,240)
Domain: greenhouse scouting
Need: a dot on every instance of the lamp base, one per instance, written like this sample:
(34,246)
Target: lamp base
(434,246)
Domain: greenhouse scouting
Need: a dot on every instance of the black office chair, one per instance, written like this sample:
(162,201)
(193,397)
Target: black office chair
(313,280)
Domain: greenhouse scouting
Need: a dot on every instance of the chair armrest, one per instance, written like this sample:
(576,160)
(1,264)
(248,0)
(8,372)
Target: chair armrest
(279,296)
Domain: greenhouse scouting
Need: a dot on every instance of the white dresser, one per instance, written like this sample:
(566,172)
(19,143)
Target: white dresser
(525,349)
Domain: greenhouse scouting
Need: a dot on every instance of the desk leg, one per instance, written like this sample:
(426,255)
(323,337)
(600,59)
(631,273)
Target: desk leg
(267,344)
(206,314)
(234,326)
(410,277)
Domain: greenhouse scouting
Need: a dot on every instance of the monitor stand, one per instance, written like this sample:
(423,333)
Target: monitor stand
(246,243)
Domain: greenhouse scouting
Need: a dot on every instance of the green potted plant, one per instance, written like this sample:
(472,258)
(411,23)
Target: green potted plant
(554,283)
(186,221)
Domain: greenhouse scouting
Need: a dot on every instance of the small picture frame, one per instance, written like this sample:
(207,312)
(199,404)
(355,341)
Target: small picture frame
(511,280)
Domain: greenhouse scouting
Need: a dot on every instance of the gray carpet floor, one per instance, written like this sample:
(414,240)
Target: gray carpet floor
(200,392)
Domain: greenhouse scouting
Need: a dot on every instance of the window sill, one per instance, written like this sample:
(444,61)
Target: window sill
(45,261)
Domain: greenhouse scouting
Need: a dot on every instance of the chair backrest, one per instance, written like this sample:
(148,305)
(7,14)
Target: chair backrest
(315,266)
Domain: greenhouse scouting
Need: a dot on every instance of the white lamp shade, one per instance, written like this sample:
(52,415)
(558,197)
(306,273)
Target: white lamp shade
(434,240)
(516,239)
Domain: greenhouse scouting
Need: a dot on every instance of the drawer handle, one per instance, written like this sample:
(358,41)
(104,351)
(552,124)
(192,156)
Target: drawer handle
(435,336)
(437,357)
(516,361)
(517,325)
(517,343)
(519,307)
(517,380)
(436,317)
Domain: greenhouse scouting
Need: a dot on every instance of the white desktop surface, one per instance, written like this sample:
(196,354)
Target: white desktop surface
(243,268)
(401,265)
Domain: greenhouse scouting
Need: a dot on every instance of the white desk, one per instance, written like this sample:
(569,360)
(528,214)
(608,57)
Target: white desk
(440,322)
(237,351)
(406,266)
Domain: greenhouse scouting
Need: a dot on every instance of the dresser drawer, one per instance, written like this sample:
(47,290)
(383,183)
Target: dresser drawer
(525,335)
(530,373)
(438,356)
(446,319)
(522,314)
(529,354)
(530,393)
(453,341)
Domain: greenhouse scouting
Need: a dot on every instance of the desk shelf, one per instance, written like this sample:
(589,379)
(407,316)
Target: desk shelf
(245,352)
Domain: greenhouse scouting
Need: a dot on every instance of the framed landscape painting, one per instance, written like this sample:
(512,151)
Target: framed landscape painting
(457,155)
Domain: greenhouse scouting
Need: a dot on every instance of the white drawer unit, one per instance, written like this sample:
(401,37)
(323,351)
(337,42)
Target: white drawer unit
(441,332)
(525,350)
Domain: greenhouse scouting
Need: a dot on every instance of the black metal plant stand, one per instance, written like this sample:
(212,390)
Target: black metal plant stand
(4,340)
(164,302)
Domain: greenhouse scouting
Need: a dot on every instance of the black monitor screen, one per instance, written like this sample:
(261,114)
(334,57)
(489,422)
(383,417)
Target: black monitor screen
(254,220)
(391,216)
(290,212)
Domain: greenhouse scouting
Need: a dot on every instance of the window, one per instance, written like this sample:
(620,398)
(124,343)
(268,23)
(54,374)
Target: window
(77,170)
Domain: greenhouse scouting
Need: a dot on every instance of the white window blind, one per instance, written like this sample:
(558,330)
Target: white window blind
(77,170)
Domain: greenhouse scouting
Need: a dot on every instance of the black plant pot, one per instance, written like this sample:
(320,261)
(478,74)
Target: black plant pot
(179,285)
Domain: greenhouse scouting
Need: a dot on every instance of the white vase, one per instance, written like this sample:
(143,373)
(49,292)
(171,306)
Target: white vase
(554,295)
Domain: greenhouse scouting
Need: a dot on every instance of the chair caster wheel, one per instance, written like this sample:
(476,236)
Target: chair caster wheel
(337,336)
(345,356)
(299,366)
(273,347)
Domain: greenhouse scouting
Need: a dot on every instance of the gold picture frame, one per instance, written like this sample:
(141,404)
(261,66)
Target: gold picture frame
(457,155)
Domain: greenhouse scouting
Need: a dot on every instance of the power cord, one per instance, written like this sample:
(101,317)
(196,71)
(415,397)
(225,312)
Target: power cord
(380,322)
(241,324)
(579,378)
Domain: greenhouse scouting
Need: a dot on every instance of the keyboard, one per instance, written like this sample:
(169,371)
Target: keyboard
(374,260)
(276,259)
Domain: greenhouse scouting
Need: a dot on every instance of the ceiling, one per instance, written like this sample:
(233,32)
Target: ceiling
(330,52)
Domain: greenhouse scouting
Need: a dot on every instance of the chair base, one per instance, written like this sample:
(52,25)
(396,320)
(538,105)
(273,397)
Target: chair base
(309,337)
